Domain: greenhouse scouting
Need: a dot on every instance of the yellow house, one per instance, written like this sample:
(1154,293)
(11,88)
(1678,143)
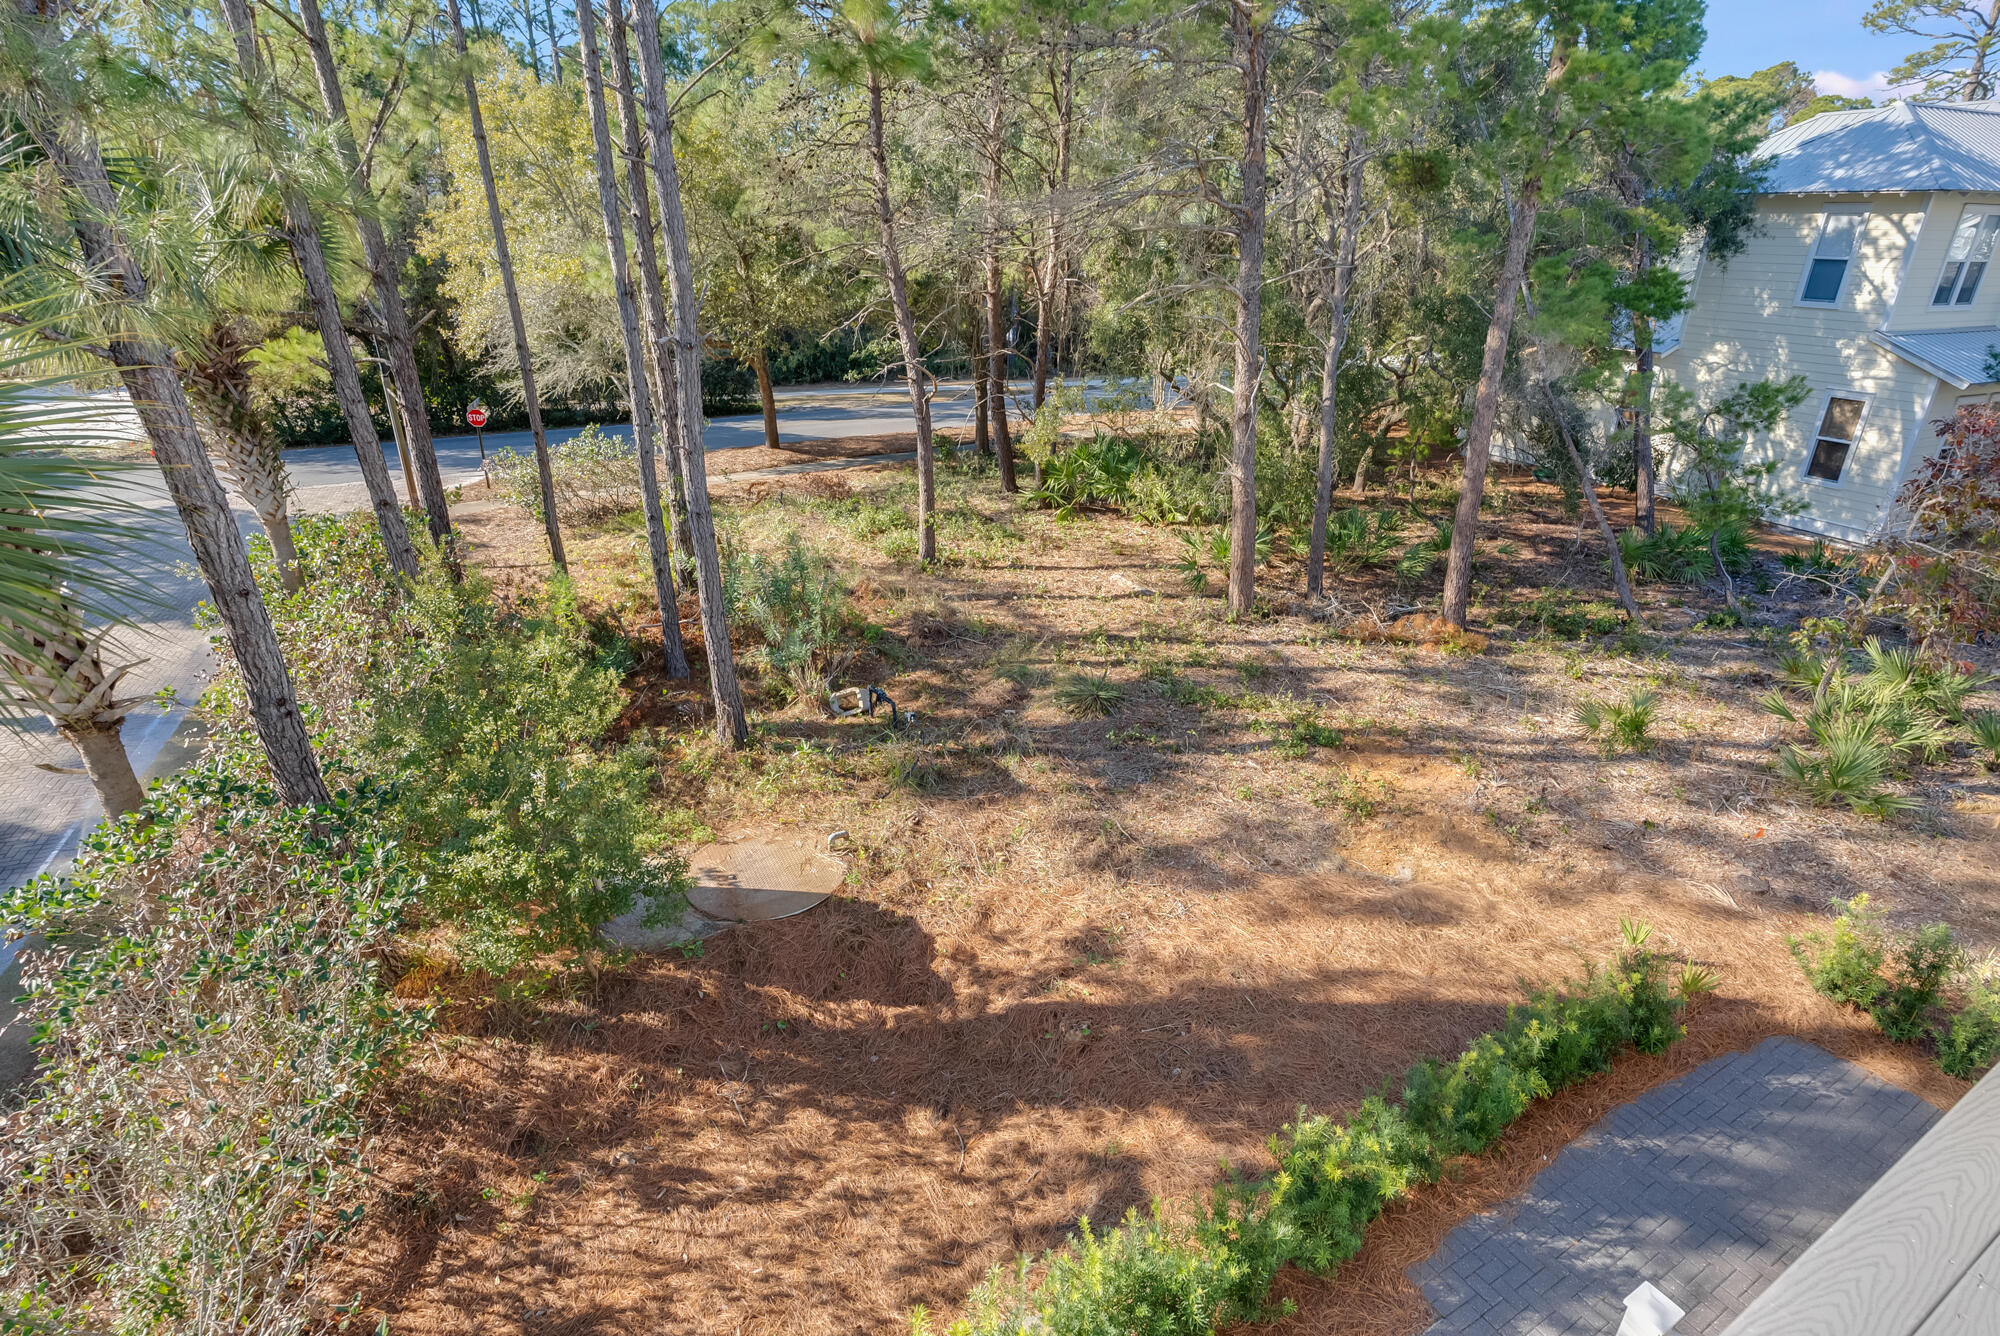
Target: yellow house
(1867,275)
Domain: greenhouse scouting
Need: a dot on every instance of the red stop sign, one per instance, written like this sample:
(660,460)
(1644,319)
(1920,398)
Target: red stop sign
(476,416)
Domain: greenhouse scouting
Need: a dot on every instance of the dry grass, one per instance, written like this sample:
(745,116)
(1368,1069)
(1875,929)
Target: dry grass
(1080,960)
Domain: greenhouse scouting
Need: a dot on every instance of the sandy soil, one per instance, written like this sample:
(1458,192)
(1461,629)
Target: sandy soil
(1080,960)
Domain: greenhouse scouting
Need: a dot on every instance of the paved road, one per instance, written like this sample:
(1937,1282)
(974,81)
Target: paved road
(42,814)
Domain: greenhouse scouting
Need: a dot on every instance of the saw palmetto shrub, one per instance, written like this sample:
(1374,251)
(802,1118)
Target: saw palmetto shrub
(210,1018)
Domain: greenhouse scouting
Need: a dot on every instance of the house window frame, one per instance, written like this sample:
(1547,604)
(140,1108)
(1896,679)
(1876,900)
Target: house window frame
(1813,438)
(1860,213)
(1952,301)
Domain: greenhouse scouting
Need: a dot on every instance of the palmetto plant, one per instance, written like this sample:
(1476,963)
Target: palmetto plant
(1864,725)
(58,533)
(1620,725)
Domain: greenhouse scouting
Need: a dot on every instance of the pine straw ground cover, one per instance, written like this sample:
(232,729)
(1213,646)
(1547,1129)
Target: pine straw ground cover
(1082,958)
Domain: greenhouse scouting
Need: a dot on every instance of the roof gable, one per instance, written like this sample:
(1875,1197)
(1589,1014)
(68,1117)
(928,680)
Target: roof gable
(1904,146)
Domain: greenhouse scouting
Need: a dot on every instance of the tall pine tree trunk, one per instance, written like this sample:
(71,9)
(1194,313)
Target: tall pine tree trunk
(1643,482)
(399,345)
(767,395)
(982,432)
(146,367)
(302,237)
(635,352)
(1486,401)
(906,325)
(659,340)
(504,258)
(731,727)
(996,316)
(1336,343)
(1252,56)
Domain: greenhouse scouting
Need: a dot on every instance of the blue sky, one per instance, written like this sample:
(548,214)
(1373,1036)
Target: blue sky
(1823,36)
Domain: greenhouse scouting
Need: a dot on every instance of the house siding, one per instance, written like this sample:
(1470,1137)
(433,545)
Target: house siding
(1747,325)
(1914,312)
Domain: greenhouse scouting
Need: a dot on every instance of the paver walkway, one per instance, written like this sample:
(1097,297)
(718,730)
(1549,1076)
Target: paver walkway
(1708,1187)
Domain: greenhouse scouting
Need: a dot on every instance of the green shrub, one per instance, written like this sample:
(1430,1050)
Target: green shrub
(530,828)
(1862,725)
(1971,1042)
(1097,472)
(1459,1108)
(1921,964)
(1212,1267)
(799,608)
(594,477)
(196,1128)
(1333,1178)
(1177,494)
(1844,963)
(1357,538)
(1682,555)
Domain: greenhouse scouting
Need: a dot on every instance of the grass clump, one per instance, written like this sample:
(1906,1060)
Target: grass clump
(1194,1272)
(1087,694)
(1621,725)
(1301,730)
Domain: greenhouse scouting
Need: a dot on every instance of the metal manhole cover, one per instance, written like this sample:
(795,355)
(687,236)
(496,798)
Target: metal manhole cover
(751,880)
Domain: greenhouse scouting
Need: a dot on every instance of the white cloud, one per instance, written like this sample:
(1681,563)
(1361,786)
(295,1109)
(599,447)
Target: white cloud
(1874,86)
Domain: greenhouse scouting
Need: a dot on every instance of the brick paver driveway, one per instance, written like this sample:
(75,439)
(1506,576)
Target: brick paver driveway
(1708,1187)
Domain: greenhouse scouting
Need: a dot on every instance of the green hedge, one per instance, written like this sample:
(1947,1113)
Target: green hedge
(1193,1272)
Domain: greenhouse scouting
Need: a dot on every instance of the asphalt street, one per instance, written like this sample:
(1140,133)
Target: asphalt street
(43,811)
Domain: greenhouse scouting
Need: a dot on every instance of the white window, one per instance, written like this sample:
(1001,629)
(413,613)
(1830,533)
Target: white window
(1833,250)
(1965,264)
(1839,425)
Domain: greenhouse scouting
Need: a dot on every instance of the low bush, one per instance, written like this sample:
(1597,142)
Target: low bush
(594,477)
(798,606)
(1902,980)
(211,1019)
(530,828)
(1844,963)
(1984,726)
(1358,538)
(1096,472)
(1194,1272)
(1971,1042)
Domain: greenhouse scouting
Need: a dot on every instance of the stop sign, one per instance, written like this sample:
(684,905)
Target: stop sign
(476,416)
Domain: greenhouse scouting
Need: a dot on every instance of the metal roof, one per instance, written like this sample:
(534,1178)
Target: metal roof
(1901,146)
(1955,355)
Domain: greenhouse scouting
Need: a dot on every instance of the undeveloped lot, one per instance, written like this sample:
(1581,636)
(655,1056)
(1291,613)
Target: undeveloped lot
(1081,959)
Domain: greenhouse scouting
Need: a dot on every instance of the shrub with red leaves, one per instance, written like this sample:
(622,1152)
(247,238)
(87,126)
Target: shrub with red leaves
(1939,568)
